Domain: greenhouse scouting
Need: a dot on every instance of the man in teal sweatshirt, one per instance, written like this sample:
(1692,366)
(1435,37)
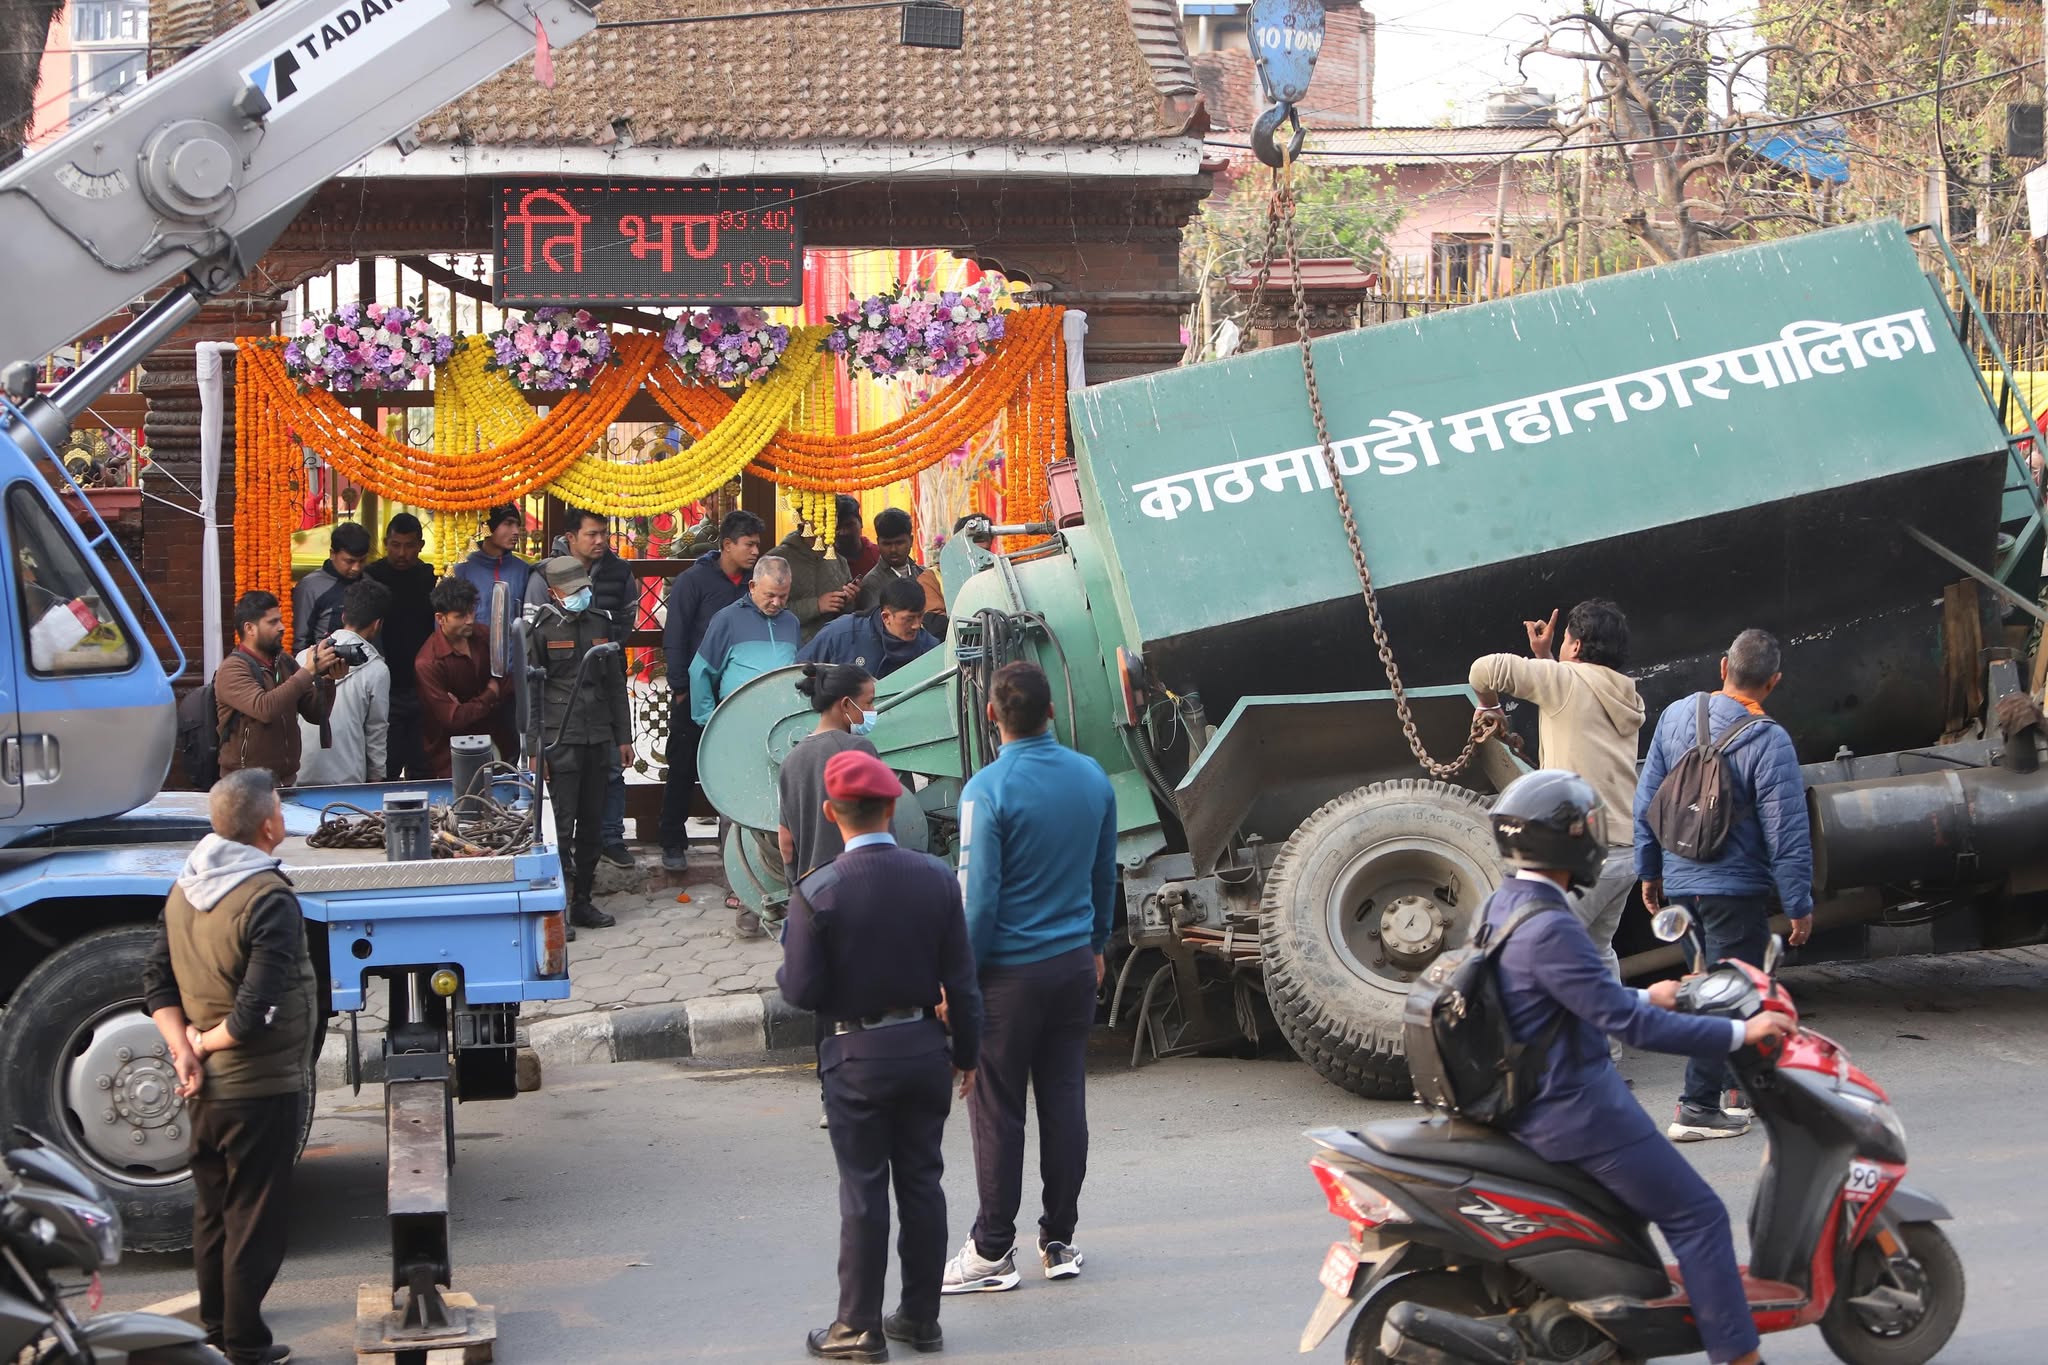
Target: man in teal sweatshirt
(744,640)
(1038,872)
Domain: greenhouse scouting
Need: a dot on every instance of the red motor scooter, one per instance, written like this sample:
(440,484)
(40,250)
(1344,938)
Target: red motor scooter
(1467,1248)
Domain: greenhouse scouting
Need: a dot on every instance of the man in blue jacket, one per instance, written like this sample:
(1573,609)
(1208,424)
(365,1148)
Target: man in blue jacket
(1038,865)
(716,581)
(875,942)
(1768,849)
(752,636)
(881,640)
(494,561)
(1548,826)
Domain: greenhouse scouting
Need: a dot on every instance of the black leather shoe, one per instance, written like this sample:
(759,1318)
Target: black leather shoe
(588,916)
(840,1342)
(918,1336)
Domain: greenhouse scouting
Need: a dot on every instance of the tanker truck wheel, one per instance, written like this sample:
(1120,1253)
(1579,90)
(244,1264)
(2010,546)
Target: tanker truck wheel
(83,1067)
(1362,898)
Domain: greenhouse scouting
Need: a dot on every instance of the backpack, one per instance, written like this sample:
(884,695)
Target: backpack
(1461,1052)
(1697,803)
(199,737)
(202,735)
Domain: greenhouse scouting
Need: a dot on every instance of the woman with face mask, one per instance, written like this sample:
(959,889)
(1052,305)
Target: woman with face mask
(843,695)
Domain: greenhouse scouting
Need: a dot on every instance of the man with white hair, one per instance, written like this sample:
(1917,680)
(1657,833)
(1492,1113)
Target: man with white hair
(746,639)
(231,988)
(750,637)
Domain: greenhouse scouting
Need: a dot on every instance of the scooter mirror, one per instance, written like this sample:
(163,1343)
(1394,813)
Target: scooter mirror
(1670,923)
(1774,950)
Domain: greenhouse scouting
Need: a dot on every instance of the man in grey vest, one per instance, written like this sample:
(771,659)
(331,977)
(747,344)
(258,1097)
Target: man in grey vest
(231,988)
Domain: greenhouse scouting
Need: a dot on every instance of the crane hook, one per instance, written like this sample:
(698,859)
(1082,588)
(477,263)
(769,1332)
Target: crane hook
(1263,145)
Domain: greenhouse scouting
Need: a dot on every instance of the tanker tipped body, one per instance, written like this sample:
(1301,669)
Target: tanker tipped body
(1728,442)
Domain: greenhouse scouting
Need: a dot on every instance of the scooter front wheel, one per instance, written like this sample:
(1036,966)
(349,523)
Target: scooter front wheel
(1897,1312)
(1450,1290)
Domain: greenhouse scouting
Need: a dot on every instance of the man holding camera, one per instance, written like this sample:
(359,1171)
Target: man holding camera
(260,692)
(359,722)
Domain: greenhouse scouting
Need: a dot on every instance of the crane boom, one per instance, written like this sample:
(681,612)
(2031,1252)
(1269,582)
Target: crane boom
(202,168)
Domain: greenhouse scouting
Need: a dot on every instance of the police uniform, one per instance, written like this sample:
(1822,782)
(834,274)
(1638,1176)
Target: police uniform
(585,722)
(871,939)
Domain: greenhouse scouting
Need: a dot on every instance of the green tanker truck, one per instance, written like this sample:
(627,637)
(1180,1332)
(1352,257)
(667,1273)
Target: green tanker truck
(1790,436)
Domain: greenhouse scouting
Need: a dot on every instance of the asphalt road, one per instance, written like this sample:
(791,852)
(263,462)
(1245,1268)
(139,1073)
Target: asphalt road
(652,1212)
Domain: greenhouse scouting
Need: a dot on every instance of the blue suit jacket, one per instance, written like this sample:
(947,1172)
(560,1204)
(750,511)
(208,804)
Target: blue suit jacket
(1582,1106)
(880,928)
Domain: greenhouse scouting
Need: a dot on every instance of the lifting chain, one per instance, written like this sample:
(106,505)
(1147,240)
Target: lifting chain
(1281,228)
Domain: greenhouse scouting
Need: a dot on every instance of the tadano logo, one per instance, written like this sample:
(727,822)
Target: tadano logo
(348,38)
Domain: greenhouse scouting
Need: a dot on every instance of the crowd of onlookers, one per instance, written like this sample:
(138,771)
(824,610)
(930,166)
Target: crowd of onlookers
(387,663)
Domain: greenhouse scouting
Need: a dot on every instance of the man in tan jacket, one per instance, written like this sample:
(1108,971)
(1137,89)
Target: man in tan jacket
(232,990)
(1590,716)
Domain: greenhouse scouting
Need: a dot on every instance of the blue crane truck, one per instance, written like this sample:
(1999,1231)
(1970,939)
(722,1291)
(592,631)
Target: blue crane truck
(170,196)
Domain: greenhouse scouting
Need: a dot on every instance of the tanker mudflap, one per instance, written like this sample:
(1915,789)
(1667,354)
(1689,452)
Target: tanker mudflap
(1275,760)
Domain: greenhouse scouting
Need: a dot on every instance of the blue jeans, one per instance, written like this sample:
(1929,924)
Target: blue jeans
(1737,927)
(1653,1180)
(614,823)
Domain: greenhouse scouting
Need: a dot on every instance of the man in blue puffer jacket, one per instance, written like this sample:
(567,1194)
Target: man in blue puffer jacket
(752,636)
(1768,849)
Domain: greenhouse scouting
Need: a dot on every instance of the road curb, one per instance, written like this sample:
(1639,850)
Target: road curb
(748,1024)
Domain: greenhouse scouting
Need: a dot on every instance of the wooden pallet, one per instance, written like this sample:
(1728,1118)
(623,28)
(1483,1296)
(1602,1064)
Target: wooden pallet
(374,1306)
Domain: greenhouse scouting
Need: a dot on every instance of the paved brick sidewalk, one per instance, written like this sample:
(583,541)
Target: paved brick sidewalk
(663,951)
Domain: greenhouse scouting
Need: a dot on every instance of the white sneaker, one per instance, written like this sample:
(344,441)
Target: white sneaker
(968,1273)
(1061,1261)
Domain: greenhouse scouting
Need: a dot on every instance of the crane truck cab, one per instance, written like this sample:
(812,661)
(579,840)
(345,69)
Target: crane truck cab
(87,719)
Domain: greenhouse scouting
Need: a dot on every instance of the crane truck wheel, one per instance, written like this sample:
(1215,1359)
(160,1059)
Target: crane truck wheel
(1364,895)
(82,1066)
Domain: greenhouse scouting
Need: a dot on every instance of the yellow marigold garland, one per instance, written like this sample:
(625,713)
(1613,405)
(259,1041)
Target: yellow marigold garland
(715,459)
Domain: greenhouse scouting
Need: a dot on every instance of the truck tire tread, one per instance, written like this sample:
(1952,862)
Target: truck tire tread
(1360,1050)
(74,979)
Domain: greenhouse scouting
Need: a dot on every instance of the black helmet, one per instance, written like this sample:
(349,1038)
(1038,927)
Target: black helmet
(1551,821)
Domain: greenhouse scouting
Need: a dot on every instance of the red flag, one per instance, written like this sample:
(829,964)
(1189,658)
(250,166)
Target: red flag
(543,59)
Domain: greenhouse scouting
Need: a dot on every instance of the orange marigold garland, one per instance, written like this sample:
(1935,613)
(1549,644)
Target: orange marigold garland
(466,482)
(267,464)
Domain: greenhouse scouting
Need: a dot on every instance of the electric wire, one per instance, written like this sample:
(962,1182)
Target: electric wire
(1541,146)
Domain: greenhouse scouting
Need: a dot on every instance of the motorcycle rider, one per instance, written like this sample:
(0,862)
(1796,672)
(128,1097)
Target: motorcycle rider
(1550,827)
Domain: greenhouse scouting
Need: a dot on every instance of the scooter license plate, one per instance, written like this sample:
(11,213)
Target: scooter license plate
(1865,1179)
(1340,1268)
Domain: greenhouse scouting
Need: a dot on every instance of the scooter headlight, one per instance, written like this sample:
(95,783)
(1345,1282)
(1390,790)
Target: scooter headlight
(1886,1116)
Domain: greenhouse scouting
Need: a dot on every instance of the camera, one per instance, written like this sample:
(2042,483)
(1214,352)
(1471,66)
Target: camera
(354,653)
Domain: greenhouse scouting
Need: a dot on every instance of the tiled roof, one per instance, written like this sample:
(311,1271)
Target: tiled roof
(1032,72)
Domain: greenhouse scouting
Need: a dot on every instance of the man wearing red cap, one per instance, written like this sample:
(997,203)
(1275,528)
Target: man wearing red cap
(873,939)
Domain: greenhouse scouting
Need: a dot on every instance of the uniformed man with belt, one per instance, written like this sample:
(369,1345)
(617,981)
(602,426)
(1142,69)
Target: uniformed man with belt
(585,720)
(873,939)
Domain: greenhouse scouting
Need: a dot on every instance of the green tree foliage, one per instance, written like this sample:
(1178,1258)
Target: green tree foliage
(1342,212)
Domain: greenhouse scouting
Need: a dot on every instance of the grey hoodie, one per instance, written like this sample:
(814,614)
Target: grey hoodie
(1591,716)
(217,866)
